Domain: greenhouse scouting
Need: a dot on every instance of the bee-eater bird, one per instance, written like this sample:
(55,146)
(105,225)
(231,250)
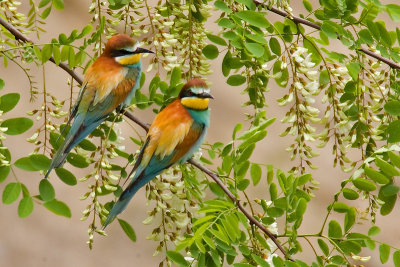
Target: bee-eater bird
(175,134)
(110,82)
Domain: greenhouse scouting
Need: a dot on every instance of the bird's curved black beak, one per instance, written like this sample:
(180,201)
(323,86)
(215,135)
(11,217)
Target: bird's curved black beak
(140,50)
(205,95)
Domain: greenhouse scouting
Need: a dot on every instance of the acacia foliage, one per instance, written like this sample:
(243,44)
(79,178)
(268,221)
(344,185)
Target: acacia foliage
(346,101)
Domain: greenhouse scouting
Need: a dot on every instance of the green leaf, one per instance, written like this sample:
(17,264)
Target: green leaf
(388,206)
(324,77)
(249,3)
(216,189)
(386,167)
(340,207)
(334,229)
(66,176)
(87,145)
(226,23)
(303,179)
(58,207)
(4,171)
(394,158)
(354,70)
(86,30)
(210,51)
(43,3)
(46,13)
(1,83)
(239,264)
(374,230)
(275,46)
(11,193)
(366,36)
(330,28)
(323,246)
(40,161)
(390,190)
(25,164)
(25,207)
(56,54)
(17,125)
(260,261)
(394,11)
(176,257)
(46,190)
(393,107)
(58,4)
(127,229)
(384,252)
(313,51)
(364,184)
(253,18)
(216,39)
(376,176)
(71,57)
(275,212)
(307,5)
(289,263)
(77,160)
(350,194)
(255,49)
(301,207)
(396,258)
(236,80)
(176,75)
(349,219)
(222,6)
(226,69)
(9,101)
(255,173)
(243,184)
(47,51)
(393,131)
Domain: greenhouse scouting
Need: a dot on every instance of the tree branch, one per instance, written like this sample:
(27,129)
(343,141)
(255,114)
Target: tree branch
(298,20)
(19,36)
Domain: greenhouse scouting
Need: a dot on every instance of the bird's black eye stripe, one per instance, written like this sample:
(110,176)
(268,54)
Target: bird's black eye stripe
(121,52)
(188,93)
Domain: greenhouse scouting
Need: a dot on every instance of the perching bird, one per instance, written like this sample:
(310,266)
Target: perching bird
(110,83)
(175,134)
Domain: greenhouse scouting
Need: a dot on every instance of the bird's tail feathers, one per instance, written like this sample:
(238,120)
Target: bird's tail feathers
(125,198)
(76,134)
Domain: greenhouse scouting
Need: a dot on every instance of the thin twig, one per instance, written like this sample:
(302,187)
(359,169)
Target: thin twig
(19,36)
(318,27)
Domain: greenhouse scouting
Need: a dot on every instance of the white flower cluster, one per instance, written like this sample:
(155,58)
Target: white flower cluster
(178,39)
(173,206)
(16,18)
(302,114)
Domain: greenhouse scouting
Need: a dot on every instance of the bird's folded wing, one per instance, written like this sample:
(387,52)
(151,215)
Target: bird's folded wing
(171,134)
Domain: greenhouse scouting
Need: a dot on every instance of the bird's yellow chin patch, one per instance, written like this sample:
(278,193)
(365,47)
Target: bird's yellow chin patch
(129,60)
(195,103)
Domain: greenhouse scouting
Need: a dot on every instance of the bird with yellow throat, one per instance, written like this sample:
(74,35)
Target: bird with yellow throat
(175,134)
(110,83)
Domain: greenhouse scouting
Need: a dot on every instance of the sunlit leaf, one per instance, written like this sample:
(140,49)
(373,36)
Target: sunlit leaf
(58,207)
(127,229)
(17,126)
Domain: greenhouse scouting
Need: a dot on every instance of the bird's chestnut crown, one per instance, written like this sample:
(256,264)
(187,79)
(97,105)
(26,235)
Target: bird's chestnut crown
(124,49)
